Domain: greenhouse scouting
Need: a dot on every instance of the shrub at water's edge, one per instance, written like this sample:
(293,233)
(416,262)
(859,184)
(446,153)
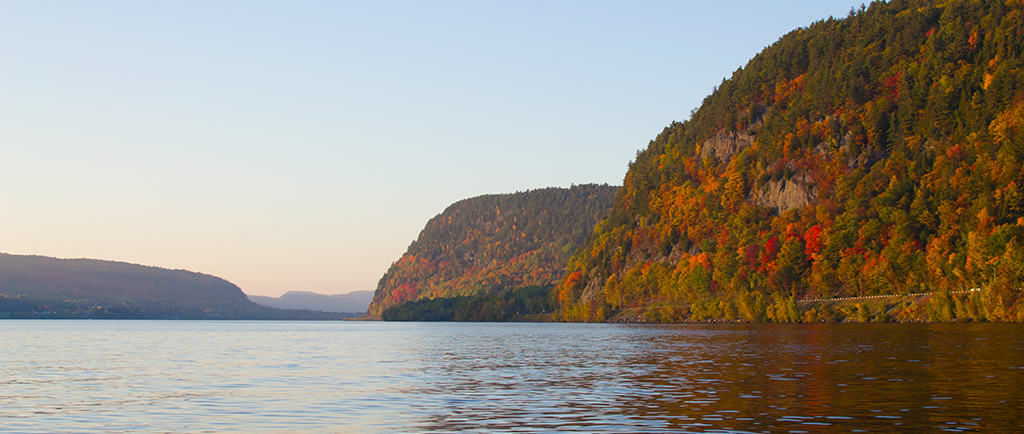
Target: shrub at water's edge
(878,154)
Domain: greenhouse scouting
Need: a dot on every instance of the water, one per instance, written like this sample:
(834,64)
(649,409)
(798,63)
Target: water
(252,377)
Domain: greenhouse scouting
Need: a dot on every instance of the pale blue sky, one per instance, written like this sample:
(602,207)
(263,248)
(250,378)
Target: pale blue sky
(303,145)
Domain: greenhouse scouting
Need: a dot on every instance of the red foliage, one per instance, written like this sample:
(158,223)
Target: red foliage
(812,240)
(750,254)
(573,279)
(892,84)
(955,153)
(771,251)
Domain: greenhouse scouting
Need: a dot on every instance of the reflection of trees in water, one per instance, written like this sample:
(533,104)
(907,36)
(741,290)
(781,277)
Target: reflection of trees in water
(736,377)
(543,381)
(865,377)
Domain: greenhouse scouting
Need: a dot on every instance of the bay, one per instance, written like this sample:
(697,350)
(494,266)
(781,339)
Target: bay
(279,377)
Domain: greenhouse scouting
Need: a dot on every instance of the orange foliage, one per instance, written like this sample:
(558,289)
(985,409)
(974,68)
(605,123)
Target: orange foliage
(786,89)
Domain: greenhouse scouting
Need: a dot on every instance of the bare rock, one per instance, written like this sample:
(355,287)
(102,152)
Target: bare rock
(725,144)
(844,143)
(784,195)
(593,292)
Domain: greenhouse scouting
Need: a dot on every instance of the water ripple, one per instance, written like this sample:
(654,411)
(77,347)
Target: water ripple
(282,377)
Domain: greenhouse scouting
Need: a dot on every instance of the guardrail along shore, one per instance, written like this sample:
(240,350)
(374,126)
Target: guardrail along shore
(869,297)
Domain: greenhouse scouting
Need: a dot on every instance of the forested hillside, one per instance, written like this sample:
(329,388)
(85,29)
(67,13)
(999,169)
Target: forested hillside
(42,287)
(880,153)
(488,245)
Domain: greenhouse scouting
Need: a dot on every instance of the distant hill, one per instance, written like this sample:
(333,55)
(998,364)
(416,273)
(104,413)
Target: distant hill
(38,286)
(489,245)
(879,153)
(354,302)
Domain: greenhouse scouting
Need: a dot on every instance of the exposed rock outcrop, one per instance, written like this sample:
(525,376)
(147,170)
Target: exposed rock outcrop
(784,195)
(593,292)
(725,144)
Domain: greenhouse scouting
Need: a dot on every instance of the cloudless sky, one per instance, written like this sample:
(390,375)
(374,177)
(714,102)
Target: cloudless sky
(302,145)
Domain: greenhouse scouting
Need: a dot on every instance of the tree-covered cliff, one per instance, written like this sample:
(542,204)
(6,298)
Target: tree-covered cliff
(880,153)
(488,245)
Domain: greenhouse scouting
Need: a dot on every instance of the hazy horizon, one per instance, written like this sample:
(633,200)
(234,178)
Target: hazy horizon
(303,146)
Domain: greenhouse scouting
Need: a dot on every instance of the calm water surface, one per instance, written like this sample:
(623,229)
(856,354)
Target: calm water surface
(184,377)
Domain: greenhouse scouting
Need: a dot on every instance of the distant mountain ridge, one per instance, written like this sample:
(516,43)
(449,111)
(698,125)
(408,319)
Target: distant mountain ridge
(39,286)
(353,302)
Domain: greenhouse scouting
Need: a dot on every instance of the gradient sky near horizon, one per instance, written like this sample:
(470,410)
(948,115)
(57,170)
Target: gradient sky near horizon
(303,145)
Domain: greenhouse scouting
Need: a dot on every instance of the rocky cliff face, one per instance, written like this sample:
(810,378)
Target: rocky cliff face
(725,144)
(779,195)
(785,194)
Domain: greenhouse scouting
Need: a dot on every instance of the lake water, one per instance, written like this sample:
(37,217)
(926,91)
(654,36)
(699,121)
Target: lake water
(252,377)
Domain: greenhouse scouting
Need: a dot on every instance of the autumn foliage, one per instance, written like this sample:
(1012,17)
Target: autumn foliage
(489,245)
(888,158)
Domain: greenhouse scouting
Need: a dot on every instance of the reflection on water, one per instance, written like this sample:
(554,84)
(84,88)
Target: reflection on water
(149,376)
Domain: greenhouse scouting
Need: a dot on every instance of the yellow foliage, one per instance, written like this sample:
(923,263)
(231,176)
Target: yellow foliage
(1009,124)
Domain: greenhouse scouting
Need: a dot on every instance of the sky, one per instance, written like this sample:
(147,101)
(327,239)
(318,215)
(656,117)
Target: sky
(303,145)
